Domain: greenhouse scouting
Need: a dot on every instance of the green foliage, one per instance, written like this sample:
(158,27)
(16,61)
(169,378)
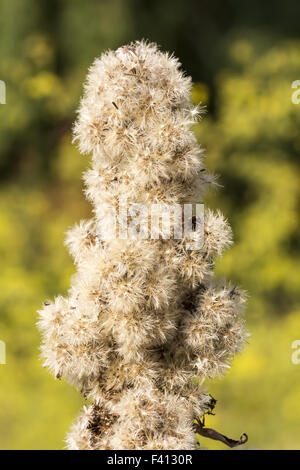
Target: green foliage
(35,409)
(254,145)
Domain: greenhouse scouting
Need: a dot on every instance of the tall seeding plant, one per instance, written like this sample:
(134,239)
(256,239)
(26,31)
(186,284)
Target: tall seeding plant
(144,322)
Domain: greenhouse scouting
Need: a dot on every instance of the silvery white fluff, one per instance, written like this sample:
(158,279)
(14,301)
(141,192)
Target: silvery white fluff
(143,317)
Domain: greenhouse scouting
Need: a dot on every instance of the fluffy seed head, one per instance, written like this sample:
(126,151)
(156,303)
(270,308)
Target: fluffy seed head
(143,324)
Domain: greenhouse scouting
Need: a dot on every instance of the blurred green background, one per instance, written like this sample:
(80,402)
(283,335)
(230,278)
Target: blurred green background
(243,57)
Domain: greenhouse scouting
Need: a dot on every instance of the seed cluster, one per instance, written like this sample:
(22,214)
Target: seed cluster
(142,317)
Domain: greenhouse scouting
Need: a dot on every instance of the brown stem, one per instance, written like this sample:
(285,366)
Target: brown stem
(217,436)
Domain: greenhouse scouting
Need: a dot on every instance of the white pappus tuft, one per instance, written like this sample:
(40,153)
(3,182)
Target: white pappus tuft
(143,318)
